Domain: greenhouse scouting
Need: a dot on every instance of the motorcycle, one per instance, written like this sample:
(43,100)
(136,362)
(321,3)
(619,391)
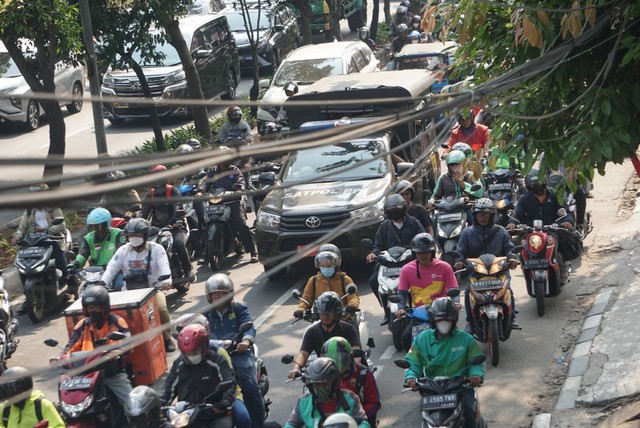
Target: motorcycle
(417,317)
(451,220)
(165,238)
(194,243)
(91,276)
(38,272)
(8,327)
(261,178)
(221,236)
(184,414)
(553,182)
(85,401)
(440,401)
(502,189)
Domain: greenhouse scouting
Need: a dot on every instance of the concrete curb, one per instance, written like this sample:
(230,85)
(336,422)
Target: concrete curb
(12,283)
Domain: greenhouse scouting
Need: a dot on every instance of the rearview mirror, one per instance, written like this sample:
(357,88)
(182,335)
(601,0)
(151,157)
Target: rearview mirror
(264,83)
(57,220)
(286,359)
(116,335)
(511,214)
(478,359)
(164,277)
(367,244)
(403,364)
(245,327)
(562,212)
(51,342)
(476,187)
(358,353)
(351,289)
(394,298)
(296,293)
(454,292)
(267,177)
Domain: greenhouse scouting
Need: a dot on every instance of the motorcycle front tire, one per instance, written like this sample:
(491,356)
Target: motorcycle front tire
(35,302)
(397,328)
(215,250)
(538,287)
(494,342)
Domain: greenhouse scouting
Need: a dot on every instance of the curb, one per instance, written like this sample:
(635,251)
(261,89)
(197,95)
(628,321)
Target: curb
(12,283)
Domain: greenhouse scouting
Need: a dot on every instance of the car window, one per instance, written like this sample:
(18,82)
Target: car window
(360,60)
(211,36)
(307,71)
(236,21)
(277,19)
(8,68)
(367,54)
(349,160)
(198,41)
(223,33)
(351,66)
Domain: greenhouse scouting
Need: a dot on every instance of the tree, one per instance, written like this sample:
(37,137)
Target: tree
(253,32)
(582,112)
(38,34)
(304,8)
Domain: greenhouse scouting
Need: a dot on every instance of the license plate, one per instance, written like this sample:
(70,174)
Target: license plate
(76,383)
(450,217)
(391,272)
(440,401)
(536,264)
(487,284)
(419,328)
(31,252)
(500,186)
(215,209)
(303,248)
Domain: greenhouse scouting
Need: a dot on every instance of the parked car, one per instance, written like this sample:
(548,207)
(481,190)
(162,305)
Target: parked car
(276,27)
(215,55)
(16,104)
(310,63)
(428,56)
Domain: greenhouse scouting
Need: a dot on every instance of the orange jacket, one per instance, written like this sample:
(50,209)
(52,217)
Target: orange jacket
(477,140)
(86,332)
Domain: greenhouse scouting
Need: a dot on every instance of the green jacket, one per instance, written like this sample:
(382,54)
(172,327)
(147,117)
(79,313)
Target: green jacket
(26,417)
(446,356)
(101,252)
(305,415)
(28,223)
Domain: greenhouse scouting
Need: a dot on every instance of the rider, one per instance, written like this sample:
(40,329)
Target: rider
(98,323)
(456,182)
(401,39)
(225,318)
(117,204)
(356,378)
(161,205)
(405,189)
(196,373)
(143,263)
(100,244)
(474,134)
(290,89)
(485,237)
(23,406)
(425,280)
(363,34)
(235,131)
(325,397)
(446,351)
(330,278)
(329,308)
(396,230)
(143,409)
(415,37)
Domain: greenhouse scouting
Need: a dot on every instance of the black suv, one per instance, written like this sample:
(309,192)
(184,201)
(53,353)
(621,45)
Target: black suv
(278,32)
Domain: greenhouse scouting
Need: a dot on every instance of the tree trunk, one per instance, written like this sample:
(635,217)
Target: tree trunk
(57,142)
(155,120)
(387,12)
(375,14)
(336,15)
(199,112)
(305,20)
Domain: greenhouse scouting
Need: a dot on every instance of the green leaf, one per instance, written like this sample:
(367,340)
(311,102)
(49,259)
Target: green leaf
(605,105)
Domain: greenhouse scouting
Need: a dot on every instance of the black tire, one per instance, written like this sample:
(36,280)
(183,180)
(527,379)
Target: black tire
(33,116)
(539,290)
(357,19)
(232,84)
(214,255)
(116,121)
(275,274)
(397,328)
(494,340)
(35,304)
(76,105)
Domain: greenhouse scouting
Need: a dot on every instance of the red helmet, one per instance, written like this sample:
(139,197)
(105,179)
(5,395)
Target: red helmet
(193,342)
(158,168)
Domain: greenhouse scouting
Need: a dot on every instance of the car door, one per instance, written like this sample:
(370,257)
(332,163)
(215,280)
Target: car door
(63,79)
(206,44)
(290,29)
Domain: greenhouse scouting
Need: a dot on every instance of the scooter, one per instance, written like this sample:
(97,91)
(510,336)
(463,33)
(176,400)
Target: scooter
(38,273)
(417,317)
(91,276)
(451,220)
(85,401)
(185,414)
(195,238)
(261,178)
(502,189)
(221,236)
(440,401)
(165,238)
(8,327)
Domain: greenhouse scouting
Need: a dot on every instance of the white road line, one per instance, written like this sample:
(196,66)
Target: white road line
(388,353)
(43,146)
(78,131)
(274,307)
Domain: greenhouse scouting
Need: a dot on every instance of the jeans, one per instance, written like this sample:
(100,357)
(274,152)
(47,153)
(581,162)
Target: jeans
(165,317)
(119,386)
(179,244)
(240,226)
(468,407)
(118,281)
(240,415)
(245,367)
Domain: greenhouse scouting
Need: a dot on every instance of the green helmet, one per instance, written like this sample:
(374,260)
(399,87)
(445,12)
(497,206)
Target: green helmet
(455,156)
(339,350)
(464,148)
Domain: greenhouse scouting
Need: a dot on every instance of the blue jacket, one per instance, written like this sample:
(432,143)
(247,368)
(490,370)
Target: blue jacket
(227,324)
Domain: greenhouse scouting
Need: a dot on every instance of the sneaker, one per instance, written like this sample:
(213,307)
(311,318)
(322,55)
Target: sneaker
(469,329)
(515,325)
(190,277)
(254,257)
(169,346)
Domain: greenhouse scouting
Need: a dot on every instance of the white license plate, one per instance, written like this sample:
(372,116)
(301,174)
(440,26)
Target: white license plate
(391,272)
(536,264)
(215,209)
(450,217)
(440,401)
(500,186)
(487,284)
(76,383)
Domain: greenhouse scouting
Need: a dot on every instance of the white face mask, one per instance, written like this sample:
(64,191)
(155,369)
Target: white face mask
(194,359)
(444,327)
(136,241)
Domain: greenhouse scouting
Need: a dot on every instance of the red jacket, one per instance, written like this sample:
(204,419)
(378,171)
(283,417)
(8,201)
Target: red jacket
(362,383)
(477,140)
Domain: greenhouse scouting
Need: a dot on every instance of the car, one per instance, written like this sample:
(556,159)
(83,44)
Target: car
(216,58)
(278,32)
(310,63)
(16,104)
(428,56)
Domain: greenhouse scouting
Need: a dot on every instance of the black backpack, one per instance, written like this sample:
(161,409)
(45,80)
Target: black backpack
(7,410)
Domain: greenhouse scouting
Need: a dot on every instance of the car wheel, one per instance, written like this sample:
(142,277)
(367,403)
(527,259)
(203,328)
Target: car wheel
(76,105)
(33,116)
(116,120)
(232,84)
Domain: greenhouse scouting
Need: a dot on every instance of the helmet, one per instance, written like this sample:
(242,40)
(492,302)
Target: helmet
(327,259)
(39,187)
(329,302)
(193,342)
(291,88)
(137,226)
(142,407)
(484,205)
(363,33)
(158,168)
(402,186)
(96,295)
(334,249)
(339,350)
(464,148)
(402,28)
(99,216)
(340,420)
(115,175)
(322,378)
(192,318)
(218,282)
(234,114)
(401,11)
(417,19)
(415,35)
(423,243)
(268,129)
(443,309)
(14,381)
(194,143)
(464,114)
(183,149)
(535,184)
(455,157)
(395,207)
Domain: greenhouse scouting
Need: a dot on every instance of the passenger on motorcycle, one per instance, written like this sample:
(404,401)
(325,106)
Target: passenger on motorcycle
(225,318)
(117,204)
(330,278)
(401,39)
(456,182)
(405,189)
(235,131)
(290,89)
(486,237)
(234,182)
(100,244)
(396,230)
(329,308)
(97,324)
(356,378)
(143,409)
(161,205)
(474,134)
(196,373)
(325,397)
(445,351)
(22,406)
(423,281)
(142,263)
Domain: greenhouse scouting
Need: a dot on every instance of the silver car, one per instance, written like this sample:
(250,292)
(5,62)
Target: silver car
(16,104)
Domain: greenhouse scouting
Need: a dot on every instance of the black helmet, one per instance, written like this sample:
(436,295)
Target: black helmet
(269,129)
(423,243)
(291,88)
(443,309)
(142,407)
(403,185)
(15,381)
(484,205)
(234,114)
(194,143)
(401,11)
(329,301)
(137,226)
(415,21)
(96,295)
(395,207)
(535,184)
(322,378)
(402,28)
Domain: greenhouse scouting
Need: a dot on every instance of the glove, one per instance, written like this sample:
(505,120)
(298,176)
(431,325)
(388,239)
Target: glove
(298,314)
(351,309)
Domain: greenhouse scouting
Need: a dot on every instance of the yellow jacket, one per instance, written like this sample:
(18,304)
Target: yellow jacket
(338,283)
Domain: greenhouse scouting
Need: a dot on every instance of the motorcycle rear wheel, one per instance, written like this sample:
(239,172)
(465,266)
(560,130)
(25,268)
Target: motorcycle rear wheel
(35,304)
(539,289)
(494,339)
(397,328)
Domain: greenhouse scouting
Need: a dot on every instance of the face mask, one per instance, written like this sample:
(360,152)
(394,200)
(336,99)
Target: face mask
(444,327)
(327,272)
(538,189)
(136,241)
(395,214)
(414,41)
(323,393)
(97,317)
(194,359)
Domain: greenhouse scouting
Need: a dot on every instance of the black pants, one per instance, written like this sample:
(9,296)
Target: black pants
(61,263)
(241,228)
(373,282)
(179,241)
(581,205)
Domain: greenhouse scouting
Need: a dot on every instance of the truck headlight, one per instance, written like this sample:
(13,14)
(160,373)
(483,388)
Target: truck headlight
(107,81)
(371,213)
(265,219)
(178,76)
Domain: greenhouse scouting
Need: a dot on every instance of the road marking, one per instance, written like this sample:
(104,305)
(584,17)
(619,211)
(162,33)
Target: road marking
(274,307)
(43,146)
(388,353)
(78,131)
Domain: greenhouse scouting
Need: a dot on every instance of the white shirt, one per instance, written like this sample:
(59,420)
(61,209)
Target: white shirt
(129,261)
(40,218)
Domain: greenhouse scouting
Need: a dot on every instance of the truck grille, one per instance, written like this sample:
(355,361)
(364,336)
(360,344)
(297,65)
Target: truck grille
(291,244)
(322,222)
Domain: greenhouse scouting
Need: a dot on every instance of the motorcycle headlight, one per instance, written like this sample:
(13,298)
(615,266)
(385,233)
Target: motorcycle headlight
(265,219)
(39,267)
(74,410)
(371,213)
(457,231)
(535,242)
(502,203)
(441,234)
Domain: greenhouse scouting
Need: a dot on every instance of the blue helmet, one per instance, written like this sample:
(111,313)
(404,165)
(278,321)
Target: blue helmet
(98,216)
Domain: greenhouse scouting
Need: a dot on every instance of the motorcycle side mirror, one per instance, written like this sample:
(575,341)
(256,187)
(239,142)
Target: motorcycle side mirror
(296,294)
(116,335)
(454,292)
(454,254)
(367,244)
(358,353)
(180,212)
(351,289)
(537,224)
(51,342)
(175,334)
(42,424)
(57,220)
(163,277)
(476,187)
(181,406)
(427,193)
(267,178)
(245,327)
(511,214)
(286,359)
(403,364)
(478,359)
(202,174)
(135,207)
(444,145)
(394,298)
(518,248)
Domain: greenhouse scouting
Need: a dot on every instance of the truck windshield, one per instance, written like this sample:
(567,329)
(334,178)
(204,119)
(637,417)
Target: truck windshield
(347,159)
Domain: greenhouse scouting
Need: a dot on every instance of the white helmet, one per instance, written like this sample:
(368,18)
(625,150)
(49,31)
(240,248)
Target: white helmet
(340,420)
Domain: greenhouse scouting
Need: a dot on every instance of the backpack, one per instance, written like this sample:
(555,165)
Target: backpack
(7,410)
